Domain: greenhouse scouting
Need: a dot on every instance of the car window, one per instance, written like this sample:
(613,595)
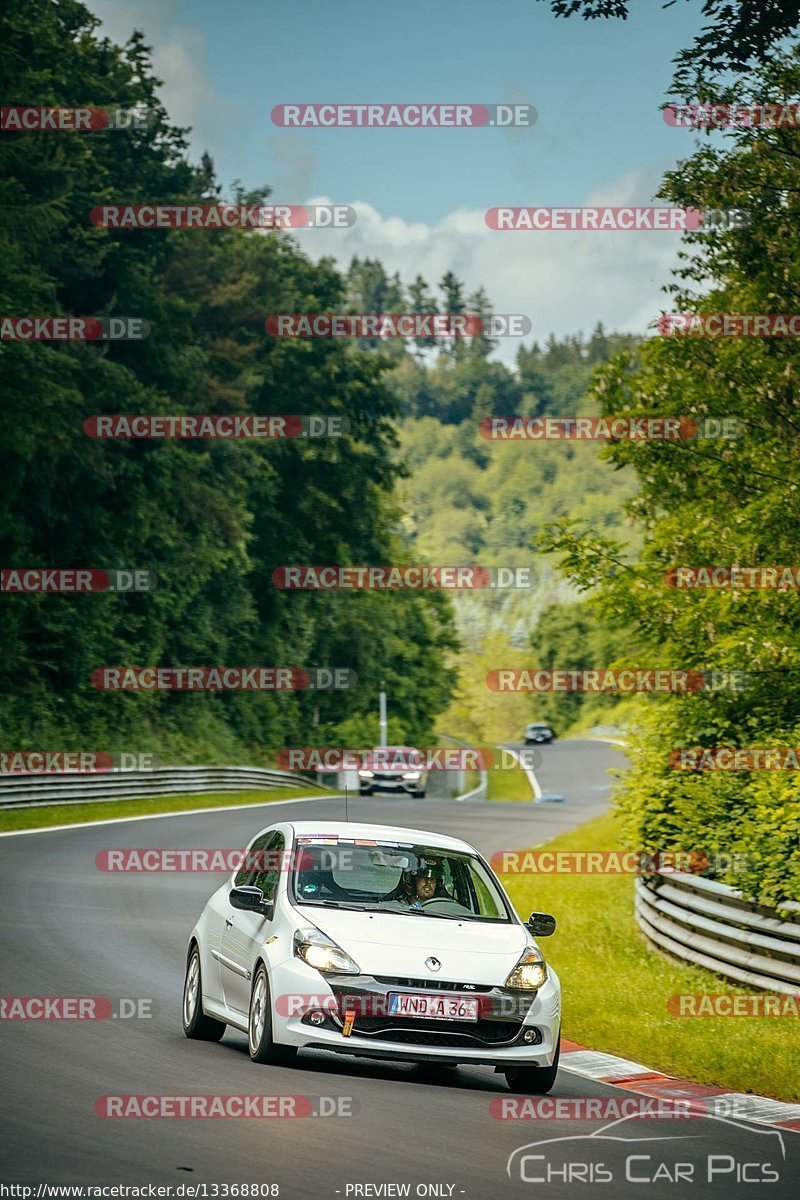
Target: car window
(262,867)
(380,876)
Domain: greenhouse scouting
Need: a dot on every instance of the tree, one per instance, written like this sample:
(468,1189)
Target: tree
(740,34)
(211,518)
(479,305)
(716,500)
(422,301)
(453,290)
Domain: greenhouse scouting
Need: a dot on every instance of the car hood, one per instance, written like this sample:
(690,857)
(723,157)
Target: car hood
(398,945)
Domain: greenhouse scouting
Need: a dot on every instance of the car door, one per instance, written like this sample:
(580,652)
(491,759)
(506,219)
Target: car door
(214,916)
(244,932)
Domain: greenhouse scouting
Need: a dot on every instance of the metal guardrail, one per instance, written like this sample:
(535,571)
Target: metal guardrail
(713,926)
(18,791)
(477,793)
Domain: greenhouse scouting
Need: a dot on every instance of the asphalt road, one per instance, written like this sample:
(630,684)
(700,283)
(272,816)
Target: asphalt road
(68,929)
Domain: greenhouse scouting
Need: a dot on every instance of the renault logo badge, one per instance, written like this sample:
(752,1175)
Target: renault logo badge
(432,963)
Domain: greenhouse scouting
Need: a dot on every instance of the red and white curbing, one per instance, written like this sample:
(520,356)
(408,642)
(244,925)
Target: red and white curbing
(622,1073)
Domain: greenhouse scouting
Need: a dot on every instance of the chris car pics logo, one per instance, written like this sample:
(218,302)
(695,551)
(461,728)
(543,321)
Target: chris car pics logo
(619,1152)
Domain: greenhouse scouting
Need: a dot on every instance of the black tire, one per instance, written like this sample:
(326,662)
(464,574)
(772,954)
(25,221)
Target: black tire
(195,1022)
(260,1045)
(418,795)
(534,1081)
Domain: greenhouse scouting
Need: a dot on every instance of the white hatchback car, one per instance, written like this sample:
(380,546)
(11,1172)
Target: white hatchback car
(374,941)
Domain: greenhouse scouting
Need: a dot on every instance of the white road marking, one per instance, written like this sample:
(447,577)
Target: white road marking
(184,812)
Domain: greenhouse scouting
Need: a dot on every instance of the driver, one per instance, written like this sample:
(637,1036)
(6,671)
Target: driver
(424,883)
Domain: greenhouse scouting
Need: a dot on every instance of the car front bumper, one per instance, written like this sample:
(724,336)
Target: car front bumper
(391,784)
(497,1039)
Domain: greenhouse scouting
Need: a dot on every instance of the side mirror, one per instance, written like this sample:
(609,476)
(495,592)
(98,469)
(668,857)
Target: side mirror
(251,899)
(541,924)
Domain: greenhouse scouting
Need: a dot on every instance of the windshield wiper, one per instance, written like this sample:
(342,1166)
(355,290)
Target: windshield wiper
(402,912)
(439,916)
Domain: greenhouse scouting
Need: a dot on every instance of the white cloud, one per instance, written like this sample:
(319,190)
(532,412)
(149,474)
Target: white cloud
(178,54)
(563,281)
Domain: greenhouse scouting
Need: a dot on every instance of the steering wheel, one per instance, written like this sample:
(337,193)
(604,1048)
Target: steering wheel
(442,900)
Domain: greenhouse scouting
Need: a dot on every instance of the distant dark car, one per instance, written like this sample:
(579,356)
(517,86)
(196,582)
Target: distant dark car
(538,732)
(393,769)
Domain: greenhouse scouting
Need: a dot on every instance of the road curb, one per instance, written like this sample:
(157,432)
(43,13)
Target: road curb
(633,1077)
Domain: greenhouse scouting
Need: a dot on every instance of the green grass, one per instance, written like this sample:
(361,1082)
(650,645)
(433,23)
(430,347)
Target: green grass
(69,814)
(508,784)
(616,986)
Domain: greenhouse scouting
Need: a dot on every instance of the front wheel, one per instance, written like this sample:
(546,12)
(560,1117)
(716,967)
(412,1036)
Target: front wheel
(195,1022)
(259,1026)
(534,1081)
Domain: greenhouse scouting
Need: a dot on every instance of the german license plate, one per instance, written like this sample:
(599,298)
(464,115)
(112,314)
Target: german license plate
(436,1006)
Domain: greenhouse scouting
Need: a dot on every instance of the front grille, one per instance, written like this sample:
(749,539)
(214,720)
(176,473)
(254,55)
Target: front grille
(435,985)
(438,1033)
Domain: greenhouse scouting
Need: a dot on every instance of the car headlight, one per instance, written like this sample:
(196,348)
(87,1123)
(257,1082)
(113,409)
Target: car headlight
(530,972)
(364,774)
(322,953)
(410,774)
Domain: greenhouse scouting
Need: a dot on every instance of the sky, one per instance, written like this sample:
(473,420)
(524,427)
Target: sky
(420,195)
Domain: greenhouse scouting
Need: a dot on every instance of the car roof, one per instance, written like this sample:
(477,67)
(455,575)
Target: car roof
(355,829)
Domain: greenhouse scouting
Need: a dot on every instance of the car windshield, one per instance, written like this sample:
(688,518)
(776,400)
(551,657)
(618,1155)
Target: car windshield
(394,877)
